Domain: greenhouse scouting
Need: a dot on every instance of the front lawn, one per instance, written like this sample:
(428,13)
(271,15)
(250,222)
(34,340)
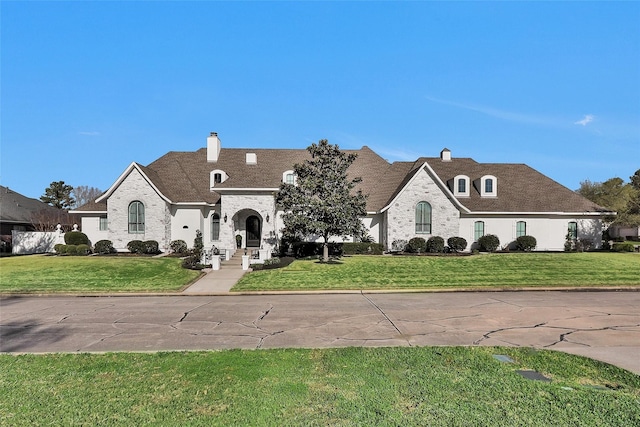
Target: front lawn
(38,274)
(434,386)
(504,270)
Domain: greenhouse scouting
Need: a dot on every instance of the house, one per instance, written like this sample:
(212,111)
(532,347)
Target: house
(21,213)
(229,192)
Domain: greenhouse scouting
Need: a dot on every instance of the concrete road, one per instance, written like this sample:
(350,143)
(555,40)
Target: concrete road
(601,325)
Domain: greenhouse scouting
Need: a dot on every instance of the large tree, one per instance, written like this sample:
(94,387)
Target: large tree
(84,194)
(615,194)
(322,201)
(58,195)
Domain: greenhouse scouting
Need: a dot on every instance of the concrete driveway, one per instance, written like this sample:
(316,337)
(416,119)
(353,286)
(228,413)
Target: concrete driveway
(601,325)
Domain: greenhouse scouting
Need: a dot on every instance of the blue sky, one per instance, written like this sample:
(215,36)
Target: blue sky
(89,87)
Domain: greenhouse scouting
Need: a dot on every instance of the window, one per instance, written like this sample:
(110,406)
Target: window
(478,230)
(462,185)
(217,178)
(136,217)
(423,218)
(521,229)
(103,223)
(215,227)
(289,179)
(572,232)
(488,185)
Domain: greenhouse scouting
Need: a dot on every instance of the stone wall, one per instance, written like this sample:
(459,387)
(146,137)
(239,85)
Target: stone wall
(445,217)
(238,207)
(156,211)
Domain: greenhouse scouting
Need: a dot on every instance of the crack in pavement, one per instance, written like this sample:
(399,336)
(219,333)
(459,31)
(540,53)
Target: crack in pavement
(386,317)
(495,331)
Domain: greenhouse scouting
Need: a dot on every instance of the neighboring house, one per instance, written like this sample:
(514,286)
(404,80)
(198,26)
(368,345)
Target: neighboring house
(21,213)
(225,192)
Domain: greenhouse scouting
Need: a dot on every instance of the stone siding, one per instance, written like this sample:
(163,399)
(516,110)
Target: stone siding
(156,213)
(238,207)
(445,217)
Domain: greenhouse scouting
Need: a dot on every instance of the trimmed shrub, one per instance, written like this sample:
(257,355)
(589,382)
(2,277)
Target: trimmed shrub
(136,246)
(151,247)
(83,250)
(178,246)
(71,250)
(362,248)
(60,248)
(435,244)
(76,238)
(623,247)
(416,245)
(311,249)
(526,243)
(399,245)
(457,244)
(192,261)
(488,242)
(104,247)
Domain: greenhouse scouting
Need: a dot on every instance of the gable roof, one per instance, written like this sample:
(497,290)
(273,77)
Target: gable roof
(184,178)
(520,188)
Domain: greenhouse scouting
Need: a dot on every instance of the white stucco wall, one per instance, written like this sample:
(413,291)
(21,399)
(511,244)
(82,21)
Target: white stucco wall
(157,214)
(185,220)
(401,214)
(373,224)
(550,231)
(90,225)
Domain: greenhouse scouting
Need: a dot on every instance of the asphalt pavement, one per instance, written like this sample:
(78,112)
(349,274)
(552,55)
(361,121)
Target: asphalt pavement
(600,325)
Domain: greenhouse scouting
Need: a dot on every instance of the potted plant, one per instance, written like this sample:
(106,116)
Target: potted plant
(238,240)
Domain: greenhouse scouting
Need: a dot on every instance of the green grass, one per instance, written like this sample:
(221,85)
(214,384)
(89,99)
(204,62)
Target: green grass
(38,274)
(430,272)
(344,387)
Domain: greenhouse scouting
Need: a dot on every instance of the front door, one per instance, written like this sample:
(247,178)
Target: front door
(253,232)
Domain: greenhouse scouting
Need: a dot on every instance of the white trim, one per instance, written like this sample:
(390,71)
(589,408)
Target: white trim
(124,175)
(471,213)
(83,212)
(438,181)
(194,204)
(219,190)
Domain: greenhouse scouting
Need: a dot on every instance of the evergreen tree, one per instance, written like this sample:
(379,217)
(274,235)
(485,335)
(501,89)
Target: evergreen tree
(322,202)
(58,195)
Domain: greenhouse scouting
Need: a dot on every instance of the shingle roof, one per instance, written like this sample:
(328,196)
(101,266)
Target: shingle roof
(16,208)
(520,188)
(184,177)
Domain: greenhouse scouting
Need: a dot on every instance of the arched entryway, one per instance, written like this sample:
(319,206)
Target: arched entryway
(253,228)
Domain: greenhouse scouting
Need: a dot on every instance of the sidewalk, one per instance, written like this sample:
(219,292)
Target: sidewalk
(217,281)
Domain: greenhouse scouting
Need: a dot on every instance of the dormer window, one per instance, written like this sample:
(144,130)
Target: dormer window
(217,176)
(289,177)
(488,186)
(461,186)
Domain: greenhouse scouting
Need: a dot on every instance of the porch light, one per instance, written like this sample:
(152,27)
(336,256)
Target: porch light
(225,217)
(267,217)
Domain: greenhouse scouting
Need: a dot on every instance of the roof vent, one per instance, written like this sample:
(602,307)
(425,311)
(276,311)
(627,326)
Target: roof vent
(445,155)
(251,158)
